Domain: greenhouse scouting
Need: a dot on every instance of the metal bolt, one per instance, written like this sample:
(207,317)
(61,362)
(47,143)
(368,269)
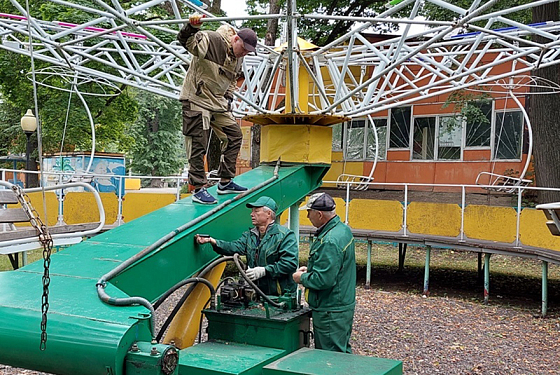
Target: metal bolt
(154,351)
(172,343)
(134,347)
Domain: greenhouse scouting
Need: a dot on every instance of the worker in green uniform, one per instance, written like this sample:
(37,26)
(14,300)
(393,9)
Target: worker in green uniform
(271,249)
(330,276)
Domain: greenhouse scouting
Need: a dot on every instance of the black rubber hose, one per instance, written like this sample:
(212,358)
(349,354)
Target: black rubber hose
(186,295)
(253,285)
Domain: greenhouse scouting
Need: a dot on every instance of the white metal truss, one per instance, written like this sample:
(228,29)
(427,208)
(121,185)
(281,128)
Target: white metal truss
(118,44)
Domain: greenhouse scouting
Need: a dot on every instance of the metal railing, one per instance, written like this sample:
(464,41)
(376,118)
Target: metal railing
(463,188)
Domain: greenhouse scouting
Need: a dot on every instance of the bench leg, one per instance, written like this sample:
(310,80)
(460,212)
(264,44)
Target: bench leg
(14,259)
(486,278)
(544,307)
(402,256)
(427,271)
(368,265)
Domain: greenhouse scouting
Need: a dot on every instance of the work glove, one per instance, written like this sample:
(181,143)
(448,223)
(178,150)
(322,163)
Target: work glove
(195,20)
(255,273)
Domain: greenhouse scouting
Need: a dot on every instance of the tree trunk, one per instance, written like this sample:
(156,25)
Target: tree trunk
(272,27)
(544,113)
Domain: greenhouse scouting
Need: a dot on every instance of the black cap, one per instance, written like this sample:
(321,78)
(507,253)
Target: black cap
(320,202)
(249,38)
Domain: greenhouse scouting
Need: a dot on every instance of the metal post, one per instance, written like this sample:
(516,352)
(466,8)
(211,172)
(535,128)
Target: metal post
(24,258)
(27,157)
(486,277)
(544,288)
(120,203)
(427,271)
(368,265)
(293,220)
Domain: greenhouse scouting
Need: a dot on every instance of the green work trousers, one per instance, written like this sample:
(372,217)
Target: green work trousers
(332,330)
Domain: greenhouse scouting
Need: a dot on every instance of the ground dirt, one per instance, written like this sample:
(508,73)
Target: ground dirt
(451,331)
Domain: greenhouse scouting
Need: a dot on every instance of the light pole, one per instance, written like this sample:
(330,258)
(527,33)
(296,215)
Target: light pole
(29,125)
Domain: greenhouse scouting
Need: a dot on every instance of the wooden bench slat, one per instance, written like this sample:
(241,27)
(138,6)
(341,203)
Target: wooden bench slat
(13,215)
(8,197)
(25,232)
(553,228)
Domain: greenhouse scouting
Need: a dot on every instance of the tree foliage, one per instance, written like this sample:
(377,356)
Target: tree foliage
(157,149)
(320,32)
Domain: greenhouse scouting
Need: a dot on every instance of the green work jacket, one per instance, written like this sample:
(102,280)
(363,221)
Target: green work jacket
(331,271)
(277,252)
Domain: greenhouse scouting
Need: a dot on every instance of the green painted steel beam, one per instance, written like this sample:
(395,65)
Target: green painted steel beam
(86,336)
(226,358)
(321,362)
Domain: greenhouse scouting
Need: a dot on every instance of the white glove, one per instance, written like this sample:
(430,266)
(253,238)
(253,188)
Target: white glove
(255,273)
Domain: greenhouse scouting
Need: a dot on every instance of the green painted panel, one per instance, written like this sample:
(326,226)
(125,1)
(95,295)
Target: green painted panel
(321,362)
(224,358)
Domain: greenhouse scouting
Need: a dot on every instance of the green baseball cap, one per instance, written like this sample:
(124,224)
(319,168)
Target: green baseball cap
(264,202)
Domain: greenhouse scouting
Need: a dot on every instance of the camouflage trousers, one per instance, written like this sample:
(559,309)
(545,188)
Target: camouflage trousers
(197,123)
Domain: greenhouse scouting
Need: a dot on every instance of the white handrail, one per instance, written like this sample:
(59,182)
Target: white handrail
(61,235)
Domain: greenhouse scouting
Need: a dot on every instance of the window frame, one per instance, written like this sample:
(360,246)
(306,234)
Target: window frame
(493,144)
(367,129)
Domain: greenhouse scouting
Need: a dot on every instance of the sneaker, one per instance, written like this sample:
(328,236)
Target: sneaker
(230,188)
(203,197)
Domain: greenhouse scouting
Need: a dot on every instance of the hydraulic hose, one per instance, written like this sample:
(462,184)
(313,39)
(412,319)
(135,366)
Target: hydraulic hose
(253,285)
(185,295)
(101,284)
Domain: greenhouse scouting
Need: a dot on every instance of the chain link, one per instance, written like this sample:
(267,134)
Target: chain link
(47,242)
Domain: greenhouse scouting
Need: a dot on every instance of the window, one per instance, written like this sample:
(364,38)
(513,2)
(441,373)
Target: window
(400,127)
(424,138)
(381,127)
(508,135)
(355,132)
(450,137)
(478,117)
(360,139)
(337,137)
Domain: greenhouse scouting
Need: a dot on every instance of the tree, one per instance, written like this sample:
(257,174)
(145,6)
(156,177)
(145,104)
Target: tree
(544,113)
(157,149)
(319,32)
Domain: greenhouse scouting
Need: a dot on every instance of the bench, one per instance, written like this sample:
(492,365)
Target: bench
(19,239)
(552,213)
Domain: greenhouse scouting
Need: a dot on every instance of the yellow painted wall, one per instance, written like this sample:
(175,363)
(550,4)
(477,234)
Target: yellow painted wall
(75,212)
(303,220)
(534,232)
(296,143)
(137,204)
(338,168)
(36,200)
(491,223)
(375,215)
(440,219)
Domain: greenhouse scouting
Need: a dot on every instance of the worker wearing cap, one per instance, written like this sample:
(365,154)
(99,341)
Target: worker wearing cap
(207,96)
(271,249)
(330,276)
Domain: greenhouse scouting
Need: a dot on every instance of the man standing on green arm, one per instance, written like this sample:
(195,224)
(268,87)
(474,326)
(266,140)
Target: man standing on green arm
(271,249)
(330,276)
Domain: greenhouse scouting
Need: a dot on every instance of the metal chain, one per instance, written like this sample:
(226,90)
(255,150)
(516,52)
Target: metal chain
(46,240)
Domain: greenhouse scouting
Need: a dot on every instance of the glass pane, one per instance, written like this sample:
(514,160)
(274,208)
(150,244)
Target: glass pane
(509,132)
(381,126)
(424,138)
(479,123)
(337,137)
(400,128)
(355,140)
(449,138)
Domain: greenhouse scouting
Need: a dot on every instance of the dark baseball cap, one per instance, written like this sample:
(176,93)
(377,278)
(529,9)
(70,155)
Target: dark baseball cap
(320,202)
(249,38)
(264,202)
